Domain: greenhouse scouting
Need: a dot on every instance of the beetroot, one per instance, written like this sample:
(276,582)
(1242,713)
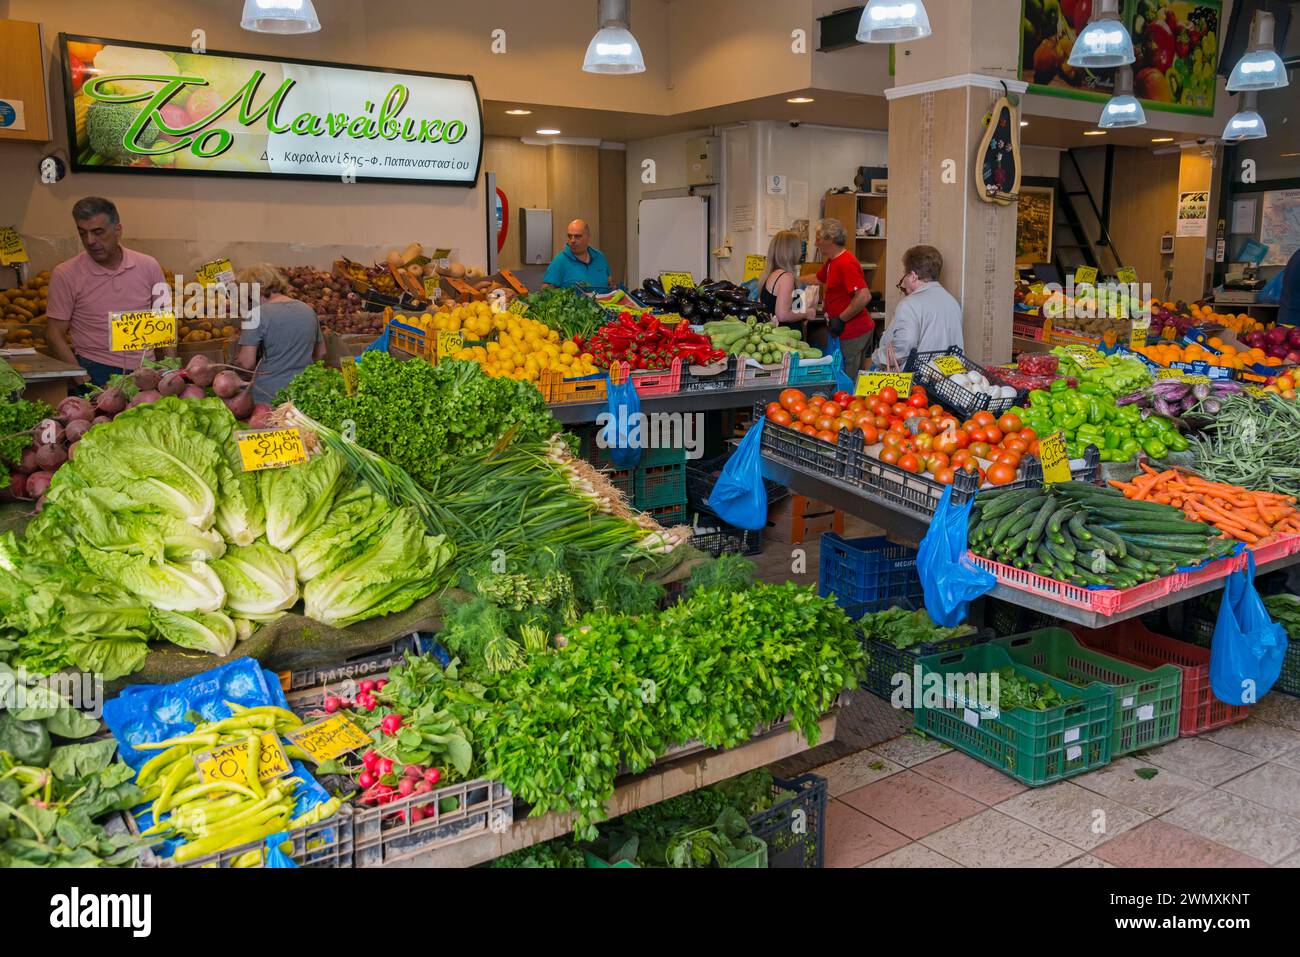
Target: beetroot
(17,485)
(200,371)
(172,383)
(261,417)
(72,448)
(110,402)
(37,483)
(240,405)
(145,378)
(100,420)
(193,392)
(76,429)
(50,457)
(28,463)
(75,409)
(227,384)
(40,504)
(48,432)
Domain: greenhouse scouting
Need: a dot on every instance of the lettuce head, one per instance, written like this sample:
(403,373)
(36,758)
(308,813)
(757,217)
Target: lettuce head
(258,579)
(299,497)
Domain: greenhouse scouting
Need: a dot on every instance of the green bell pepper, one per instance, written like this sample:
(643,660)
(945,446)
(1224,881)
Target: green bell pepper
(1059,385)
(1155,448)
(1144,429)
(1176,442)
(1129,448)
(1114,439)
(1092,388)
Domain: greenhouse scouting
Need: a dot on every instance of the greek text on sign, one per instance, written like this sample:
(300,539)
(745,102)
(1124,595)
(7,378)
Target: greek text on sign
(755,266)
(948,365)
(671,280)
(518,307)
(1169,373)
(219,270)
(270,448)
(348,366)
(227,763)
(1128,275)
(326,740)
(1085,275)
(12,249)
(449,343)
(871,383)
(1055,458)
(1086,357)
(1138,335)
(133,331)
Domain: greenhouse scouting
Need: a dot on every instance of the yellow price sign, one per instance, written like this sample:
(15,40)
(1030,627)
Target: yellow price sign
(449,343)
(1085,275)
(432,288)
(270,448)
(348,366)
(1086,358)
(228,762)
(755,266)
(872,383)
(1169,373)
(1037,288)
(948,365)
(326,740)
(1128,275)
(133,331)
(219,270)
(1056,460)
(671,280)
(1196,379)
(1255,391)
(1137,337)
(12,249)
(518,307)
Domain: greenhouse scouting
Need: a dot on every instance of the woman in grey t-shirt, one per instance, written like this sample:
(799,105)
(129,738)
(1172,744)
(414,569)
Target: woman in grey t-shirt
(281,339)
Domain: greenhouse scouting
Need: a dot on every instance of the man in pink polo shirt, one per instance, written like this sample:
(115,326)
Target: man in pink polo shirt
(106,278)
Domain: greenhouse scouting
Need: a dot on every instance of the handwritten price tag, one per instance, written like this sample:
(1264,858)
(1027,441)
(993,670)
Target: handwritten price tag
(1055,458)
(671,280)
(219,270)
(1087,358)
(133,331)
(12,249)
(755,266)
(326,740)
(1255,391)
(449,343)
(270,449)
(1085,275)
(1169,373)
(348,366)
(1137,338)
(518,307)
(227,763)
(949,365)
(871,383)
(1128,275)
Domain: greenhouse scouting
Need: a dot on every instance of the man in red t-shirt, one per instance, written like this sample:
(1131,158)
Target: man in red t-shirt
(845,294)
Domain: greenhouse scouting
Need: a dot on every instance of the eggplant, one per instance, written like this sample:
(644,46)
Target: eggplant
(687,310)
(654,287)
(671,303)
(651,300)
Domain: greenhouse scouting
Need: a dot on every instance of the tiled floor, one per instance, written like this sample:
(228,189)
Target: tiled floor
(1229,799)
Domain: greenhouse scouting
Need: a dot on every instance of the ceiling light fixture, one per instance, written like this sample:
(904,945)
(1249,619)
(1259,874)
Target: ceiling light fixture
(1024,122)
(1162,139)
(1246,124)
(1260,68)
(800,99)
(519,112)
(1122,109)
(1105,42)
(1094,132)
(548,132)
(613,49)
(892,21)
(279,16)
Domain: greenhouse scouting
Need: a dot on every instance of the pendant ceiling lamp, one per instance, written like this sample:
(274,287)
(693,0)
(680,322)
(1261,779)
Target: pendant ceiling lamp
(893,21)
(1260,68)
(1123,109)
(613,49)
(279,16)
(1246,124)
(1105,42)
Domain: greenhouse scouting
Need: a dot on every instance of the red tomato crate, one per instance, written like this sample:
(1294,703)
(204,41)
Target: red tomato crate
(1130,641)
(658,382)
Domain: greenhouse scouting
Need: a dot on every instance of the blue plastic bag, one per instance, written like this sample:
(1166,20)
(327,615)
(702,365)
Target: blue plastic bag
(274,856)
(621,431)
(950,579)
(1248,647)
(380,344)
(739,497)
(842,381)
(1272,291)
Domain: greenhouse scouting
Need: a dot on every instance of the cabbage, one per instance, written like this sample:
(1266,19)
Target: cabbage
(299,497)
(171,587)
(354,516)
(258,579)
(114,522)
(198,631)
(398,565)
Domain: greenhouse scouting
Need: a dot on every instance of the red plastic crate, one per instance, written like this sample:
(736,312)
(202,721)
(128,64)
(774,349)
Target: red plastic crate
(1281,547)
(659,382)
(1130,641)
(1216,570)
(1103,601)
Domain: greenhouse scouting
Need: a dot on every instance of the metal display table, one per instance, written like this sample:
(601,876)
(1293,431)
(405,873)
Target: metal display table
(577,413)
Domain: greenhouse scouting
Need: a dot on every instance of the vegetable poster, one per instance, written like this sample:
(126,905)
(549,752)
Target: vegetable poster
(169,110)
(1176,43)
(1193,213)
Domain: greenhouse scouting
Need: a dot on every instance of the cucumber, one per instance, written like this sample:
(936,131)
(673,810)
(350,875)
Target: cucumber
(1005,503)
(1159,528)
(1168,544)
(1062,553)
(1115,546)
(1059,518)
(1040,520)
(1079,528)
(1027,508)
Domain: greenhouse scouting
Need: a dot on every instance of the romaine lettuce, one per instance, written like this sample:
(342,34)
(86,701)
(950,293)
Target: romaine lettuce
(258,579)
(335,540)
(198,631)
(299,497)
(172,587)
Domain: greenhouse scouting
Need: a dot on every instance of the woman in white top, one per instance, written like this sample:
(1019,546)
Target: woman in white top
(776,292)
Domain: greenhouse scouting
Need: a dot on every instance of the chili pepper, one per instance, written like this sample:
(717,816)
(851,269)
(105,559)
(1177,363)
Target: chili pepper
(174,778)
(252,765)
(216,842)
(206,740)
(159,761)
(189,794)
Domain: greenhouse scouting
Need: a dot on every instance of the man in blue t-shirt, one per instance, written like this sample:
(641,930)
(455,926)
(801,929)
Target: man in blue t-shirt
(578,263)
(1289,314)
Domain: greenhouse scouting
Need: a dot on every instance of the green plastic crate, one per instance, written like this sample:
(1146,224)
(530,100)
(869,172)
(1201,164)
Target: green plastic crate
(660,485)
(1036,747)
(1147,700)
(757,856)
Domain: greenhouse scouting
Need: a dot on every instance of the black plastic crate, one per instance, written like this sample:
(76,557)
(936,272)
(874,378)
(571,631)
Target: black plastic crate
(360,666)
(810,453)
(953,397)
(912,491)
(718,538)
(885,661)
(719,382)
(1004,618)
(703,475)
(794,829)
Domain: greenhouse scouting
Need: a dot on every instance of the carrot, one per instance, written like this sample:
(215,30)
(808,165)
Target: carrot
(1245,523)
(1237,533)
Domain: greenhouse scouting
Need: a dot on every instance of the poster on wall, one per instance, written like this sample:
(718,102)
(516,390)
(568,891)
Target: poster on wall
(1193,214)
(1280,226)
(135,107)
(1176,44)
(1034,215)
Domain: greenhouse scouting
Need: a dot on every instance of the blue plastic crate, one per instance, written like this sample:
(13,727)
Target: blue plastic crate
(862,572)
(810,371)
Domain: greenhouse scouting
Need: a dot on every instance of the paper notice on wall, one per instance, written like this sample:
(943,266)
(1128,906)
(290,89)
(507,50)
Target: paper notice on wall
(1243,216)
(742,218)
(778,185)
(1193,214)
(774,212)
(798,199)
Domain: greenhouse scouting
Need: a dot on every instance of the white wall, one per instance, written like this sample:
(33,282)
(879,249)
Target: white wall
(669,156)
(1040,161)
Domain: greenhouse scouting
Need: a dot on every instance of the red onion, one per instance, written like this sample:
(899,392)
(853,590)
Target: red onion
(76,429)
(37,483)
(240,405)
(50,457)
(227,384)
(145,378)
(110,402)
(74,408)
(172,383)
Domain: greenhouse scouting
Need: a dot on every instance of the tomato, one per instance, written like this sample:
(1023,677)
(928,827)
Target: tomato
(892,440)
(1028,434)
(918,401)
(898,427)
(929,427)
(946,443)
(948,424)
(797,407)
(1008,457)
(1008,436)
(888,394)
(826,436)
(980,450)
(808,416)
(978,435)
(994,434)
(842,423)
(774,407)
(870,435)
(858,406)
(945,476)
(824,423)
(1001,474)
(842,398)
(880,422)
(890,456)
(970,468)
(817,401)
(1010,422)
(781,417)
(923,442)
(961,457)
(789,397)
(936,412)
(984,419)
(1016,445)
(936,461)
(963,438)
(881,408)
(911,414)
(900,409)
(832,409)
(1033,448)
(909,463)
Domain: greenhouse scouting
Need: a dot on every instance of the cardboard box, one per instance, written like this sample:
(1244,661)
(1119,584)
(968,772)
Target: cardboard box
(337,346)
